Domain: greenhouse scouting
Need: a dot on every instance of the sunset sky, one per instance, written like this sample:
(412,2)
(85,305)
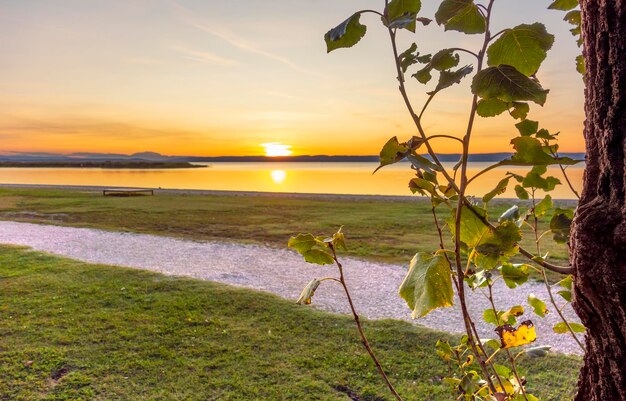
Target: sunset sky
(198,77)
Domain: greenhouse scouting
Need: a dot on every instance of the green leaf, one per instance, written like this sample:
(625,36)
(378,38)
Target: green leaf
(407,58)
(302,243)
(346,34)
(422,163)
(461,15)
(431,177)
(392,152)
(411,56)
(566,295)
(449,78)
(544,134)
(514,274)
(521,192)
(318,257)
(489,316)
(542,207)
(492,246)
(561,328)
(580,64)
(428,284)
(504,82)
(444,60)
(308,292)
(502,370)
(530,152)
(520,110)
(481,278)
(566,282)
(534,179)
(560,224)
(538,305)
(491,107)
(422,186)
(509,316)
(498,245)
(472,227)
(444,350)
(491,343)
(423,76)
(523,47)
(527,127)
(339,239)
(563,5)
(573,17)
(402,13)
(498,190)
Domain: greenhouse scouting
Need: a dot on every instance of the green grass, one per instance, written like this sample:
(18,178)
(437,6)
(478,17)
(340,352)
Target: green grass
(377,229)
(75,331)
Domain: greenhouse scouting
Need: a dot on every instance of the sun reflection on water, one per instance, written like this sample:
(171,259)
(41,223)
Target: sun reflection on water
(278,176)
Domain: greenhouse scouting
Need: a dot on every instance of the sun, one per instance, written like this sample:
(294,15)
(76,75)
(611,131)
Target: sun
(276,149)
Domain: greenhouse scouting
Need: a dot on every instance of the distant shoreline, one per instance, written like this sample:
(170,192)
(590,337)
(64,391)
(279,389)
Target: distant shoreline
(297,195)
(104,165)
(158,158)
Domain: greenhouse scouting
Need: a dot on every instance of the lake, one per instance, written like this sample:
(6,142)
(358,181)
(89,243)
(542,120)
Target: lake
(332,178)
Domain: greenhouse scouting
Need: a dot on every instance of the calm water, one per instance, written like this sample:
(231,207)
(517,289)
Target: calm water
(334,178)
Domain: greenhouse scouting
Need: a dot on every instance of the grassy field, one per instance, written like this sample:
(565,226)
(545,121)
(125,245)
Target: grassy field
(385,230)
(75,331)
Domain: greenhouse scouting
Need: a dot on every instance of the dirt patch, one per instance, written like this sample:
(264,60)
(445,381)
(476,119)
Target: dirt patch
(353,395)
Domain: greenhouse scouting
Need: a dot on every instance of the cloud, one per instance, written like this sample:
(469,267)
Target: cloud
(204,57)
(237,42)
(88,127)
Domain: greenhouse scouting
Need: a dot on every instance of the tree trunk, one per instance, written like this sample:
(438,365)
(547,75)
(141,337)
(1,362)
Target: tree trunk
(598,242)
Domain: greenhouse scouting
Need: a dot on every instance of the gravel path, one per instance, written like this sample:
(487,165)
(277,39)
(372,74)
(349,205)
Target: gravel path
(374,286)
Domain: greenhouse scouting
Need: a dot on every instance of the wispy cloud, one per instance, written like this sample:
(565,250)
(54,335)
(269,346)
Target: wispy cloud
(238,42)
(144,61)
(204,57)
(88,127)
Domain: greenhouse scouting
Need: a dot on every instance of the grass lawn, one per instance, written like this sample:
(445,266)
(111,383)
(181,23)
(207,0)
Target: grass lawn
(377,229)
(75,331)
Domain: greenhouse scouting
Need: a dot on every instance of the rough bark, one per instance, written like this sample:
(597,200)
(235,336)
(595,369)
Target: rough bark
(598,242)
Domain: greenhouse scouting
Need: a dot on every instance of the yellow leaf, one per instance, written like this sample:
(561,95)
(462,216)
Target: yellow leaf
(511,337)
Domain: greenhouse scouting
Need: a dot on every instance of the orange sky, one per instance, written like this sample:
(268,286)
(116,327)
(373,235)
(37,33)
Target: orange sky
(222,78)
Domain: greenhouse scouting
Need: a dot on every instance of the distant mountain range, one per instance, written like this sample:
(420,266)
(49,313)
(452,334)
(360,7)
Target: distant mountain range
(157,157)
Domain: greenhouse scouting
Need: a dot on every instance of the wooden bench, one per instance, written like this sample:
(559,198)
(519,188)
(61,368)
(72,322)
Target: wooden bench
(127,191)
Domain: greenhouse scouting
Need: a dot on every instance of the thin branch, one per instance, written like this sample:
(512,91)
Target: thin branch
(499,33)
(460,49)
(559,311)
(557,269)
(357,320)
(495,311)
(488,358)
(430,98)
(373,12)
(329,279)
(414,116)
(444,136)
(483,171)
(569,183)
(545,278)
(461,192)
